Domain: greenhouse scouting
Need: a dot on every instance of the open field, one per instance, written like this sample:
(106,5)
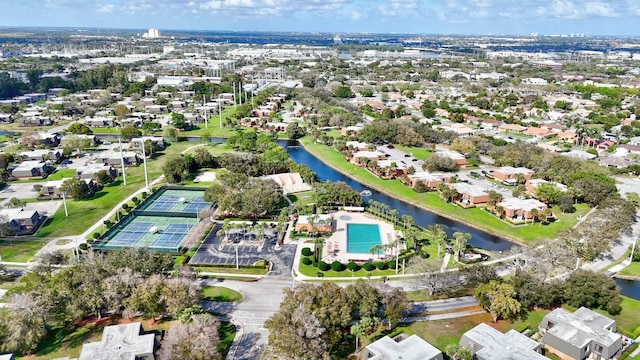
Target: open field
(417,152)
(632,269)
(19,250)
(477,217)
(220,293)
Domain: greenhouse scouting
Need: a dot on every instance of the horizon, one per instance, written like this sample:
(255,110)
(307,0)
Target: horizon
(411,17)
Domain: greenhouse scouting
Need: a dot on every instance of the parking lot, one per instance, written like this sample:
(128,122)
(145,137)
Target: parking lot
(212,252)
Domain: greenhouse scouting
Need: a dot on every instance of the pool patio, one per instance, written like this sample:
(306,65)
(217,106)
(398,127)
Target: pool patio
(335,246)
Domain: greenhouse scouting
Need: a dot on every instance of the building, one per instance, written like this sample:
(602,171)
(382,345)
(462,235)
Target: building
(469,195)
(430,180)
(158,141)
(535,81)
(114,159)
(30,169)
(509,174)
(322,222)
(518,210)
(152,34)
(487,343)
(580,335)
(289,182)
(401,347)
(123,342)
(460,160)
(370,155)
(539,133)
(89,172)
(532,185)
(21,220)
(512,128)
(41,155)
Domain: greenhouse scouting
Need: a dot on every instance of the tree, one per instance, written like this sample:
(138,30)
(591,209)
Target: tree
(295,131)
(499,299)
(430,277)
(79,128)
(76,142)
(179,121)
(33,76)
(198,339)
(437,162)
(170,132)
(103,177)
(14,202)
(130,132)
(120,111)
(565,203)
(438,235)
(395,304)
(460,240)
(243,196)
(175,169)
(76,188)
(456,352)
(592,290)
(548,192)
(344,92)
(464,146)
(203,158)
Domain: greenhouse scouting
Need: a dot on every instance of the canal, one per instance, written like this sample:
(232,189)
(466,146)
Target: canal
(629,288)
(422,217)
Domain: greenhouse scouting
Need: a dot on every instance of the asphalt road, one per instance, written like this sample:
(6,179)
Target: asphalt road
(443,305)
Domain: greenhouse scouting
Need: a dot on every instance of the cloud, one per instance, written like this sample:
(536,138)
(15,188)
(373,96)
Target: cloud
(106,9)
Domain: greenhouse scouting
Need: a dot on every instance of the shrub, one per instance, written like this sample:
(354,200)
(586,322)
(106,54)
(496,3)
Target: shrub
(323,266)
(125,207)
(392,264)
(144,195)
(381,265)
(135,200)
(83,246)
(96,235)
(353,266)
(306,251)
(368,266)
(306,261)
(337,266)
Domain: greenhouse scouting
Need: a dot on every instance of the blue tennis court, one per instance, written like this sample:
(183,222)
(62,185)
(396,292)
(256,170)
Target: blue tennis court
(181,201)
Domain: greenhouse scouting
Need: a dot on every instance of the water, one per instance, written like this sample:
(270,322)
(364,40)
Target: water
(362,237)
(479,239)
(629,288)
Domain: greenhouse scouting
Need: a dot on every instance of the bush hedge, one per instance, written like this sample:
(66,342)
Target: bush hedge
(83,246)
(353,266)
(96,235)
(323,266)
(337,266)
(392,264)
(306,261)
(368,266)
(306,251)
(381,265)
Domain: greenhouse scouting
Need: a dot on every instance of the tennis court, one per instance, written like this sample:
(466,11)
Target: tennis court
(176,201)
(160,223)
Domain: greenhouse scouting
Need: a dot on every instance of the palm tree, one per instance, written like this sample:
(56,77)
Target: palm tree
(460,244)
(407,220)
(534,215)
(394,216)
(438,235)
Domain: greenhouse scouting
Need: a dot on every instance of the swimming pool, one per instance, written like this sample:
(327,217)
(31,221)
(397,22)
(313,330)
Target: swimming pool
(362,237)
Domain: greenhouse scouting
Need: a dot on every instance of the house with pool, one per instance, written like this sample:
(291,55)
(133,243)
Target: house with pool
(356,233)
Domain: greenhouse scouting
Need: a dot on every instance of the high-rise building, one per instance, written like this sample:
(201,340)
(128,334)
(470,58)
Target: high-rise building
(152,34)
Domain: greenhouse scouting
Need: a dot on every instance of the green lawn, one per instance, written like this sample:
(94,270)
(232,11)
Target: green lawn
(418,152)
(220,293)
(310,270)
(20,250)
(632,270)
(475,216)
(83,214)
(61,174)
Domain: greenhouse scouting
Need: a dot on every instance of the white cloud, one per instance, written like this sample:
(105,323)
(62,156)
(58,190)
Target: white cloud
(601,9)
(106,9)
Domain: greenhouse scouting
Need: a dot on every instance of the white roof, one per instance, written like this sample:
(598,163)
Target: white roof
(581,327)
(17,214)
(410,348)
(122,342)
(464,188)
(498,346)
(425,175)
(28,165)
(524,204)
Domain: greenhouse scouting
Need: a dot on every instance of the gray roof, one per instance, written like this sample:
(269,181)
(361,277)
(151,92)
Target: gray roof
(408,348)
(581,327)
(122,342)
(498,346)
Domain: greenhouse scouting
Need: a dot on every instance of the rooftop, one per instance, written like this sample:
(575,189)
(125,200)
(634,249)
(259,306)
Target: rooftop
(524,204)
(123,342)
(581,327)
(464,188)
(405,348)
(514,170)
(498,346)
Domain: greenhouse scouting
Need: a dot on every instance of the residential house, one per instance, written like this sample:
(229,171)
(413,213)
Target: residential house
(357,145)
(401,347)
(580,335)
(568,137)
(512,128)
(89,172)
(370,155)
(322,222)
(615,162)
(157,109)
(158,141)
(469,195)
(539,133)
(43,139)
(579,154)
(93,140)
(376,106)
(487,343)
(123,342)
(549,147)
(21,220)
(351,130)
(460,160)
(460,130)
(113,158)
(627,149)
(41,155)
(99,122)
(604,145)
(520,210)
(53,188)
(535,81)
(555,127)
(430,180)
(532,185)
(31,169)
(483,123)
(509,174)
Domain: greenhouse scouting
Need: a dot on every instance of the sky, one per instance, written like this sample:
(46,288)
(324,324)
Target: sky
(595,17)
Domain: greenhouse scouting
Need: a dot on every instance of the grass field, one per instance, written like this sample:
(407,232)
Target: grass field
(220,293)
(475,216)
(418,152)
(61,174)
(83,214)
(19,251)
(632,270)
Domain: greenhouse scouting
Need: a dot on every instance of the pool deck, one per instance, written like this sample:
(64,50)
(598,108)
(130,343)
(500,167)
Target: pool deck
(335,246)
